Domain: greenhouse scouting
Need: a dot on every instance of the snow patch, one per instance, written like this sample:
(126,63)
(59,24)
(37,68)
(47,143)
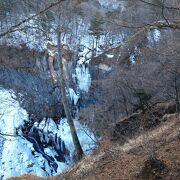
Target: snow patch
(154,37)
(110,5)
(12,115)
(132,58)
(104,67)
(133,55)
(109,55)
(32,36)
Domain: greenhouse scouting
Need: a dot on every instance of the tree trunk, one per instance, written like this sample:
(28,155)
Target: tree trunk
(176,94)
(61,82)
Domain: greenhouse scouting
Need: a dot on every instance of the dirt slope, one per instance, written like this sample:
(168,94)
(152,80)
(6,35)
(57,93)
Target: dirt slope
(153,155)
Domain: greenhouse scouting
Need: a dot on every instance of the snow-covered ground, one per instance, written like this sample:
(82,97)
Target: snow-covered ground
(18,155)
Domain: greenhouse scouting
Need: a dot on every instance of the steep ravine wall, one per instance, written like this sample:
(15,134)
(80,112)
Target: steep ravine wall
(26,72)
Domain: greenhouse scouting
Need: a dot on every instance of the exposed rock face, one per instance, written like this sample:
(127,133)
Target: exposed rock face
(142,46)
(42,139)
(154,169)
(35,94)
(67,56)
(27,73)
(24,60)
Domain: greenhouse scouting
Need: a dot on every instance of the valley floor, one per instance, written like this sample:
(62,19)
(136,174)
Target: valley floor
(153,155)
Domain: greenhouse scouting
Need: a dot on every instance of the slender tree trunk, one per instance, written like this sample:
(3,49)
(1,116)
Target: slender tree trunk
(65,102)
(176,94)
(125,103)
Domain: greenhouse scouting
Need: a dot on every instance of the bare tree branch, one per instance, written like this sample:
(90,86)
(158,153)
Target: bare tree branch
(15,27)
(163,12)
(160,6)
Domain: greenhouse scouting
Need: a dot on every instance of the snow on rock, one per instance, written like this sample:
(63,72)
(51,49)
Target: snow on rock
(61,131)
(18,155)
(153,37)
(156,35)
(109,55)
(73,96)
(104,67)
(110,5)
(61,165)
(31,36)
(16,152)
(17,159)
(12,115)
(83,77)
(86,137)
(134,54)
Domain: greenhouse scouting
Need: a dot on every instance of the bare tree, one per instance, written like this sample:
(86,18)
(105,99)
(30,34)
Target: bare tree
(61,82)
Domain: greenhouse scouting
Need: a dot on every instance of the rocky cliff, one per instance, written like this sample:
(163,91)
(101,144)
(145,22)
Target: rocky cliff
(27,73)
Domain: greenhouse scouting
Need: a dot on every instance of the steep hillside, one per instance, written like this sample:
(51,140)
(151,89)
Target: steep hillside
(153,155)
(129,161)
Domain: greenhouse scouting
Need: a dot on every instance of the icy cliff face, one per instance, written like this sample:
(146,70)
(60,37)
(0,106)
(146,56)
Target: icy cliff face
(41,148)
(153,37)
(113,4)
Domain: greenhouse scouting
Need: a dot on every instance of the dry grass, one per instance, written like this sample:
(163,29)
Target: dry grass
(115,162)
(26,177)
